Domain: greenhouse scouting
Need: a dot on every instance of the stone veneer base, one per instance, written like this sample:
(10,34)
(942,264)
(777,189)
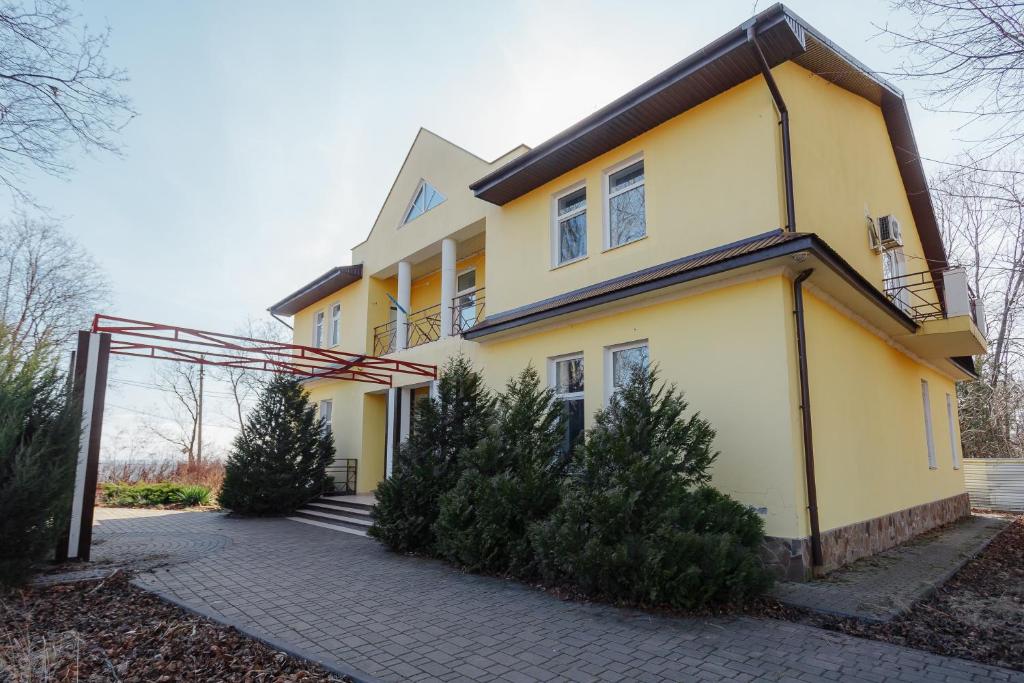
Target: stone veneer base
(791,557)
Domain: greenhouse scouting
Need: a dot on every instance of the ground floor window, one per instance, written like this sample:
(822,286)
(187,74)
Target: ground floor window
(929,438)
(620,361)
(326,412)
(567,382)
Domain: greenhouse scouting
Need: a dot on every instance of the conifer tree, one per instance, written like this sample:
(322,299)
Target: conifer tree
(38,450)
(637,520)
(278,462)
(510,480)
(428,463)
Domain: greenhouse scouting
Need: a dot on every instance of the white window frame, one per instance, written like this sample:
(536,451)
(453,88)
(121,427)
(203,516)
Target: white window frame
(334,337)
(606,199)
(926,402)
(553,376)
(609,369)
(896,257)
(556,220)
(319,320)
(952,433)
(327,419)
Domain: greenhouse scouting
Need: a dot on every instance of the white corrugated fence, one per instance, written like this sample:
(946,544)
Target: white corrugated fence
(995,483)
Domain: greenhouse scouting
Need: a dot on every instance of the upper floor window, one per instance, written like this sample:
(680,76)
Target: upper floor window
(335,336)
(571,226)
(622,361)
(425,199)
(894,281)
(626,211)
(567,382)
(318,329)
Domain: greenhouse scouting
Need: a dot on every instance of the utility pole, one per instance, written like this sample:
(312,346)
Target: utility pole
(199,410)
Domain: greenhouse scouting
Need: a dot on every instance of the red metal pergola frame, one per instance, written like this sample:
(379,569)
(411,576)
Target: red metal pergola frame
(186,345)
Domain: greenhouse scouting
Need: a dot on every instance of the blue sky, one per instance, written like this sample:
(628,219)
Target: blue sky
(269,133)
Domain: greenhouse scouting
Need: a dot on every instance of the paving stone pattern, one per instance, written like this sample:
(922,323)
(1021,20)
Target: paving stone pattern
(350,604)
(881,587)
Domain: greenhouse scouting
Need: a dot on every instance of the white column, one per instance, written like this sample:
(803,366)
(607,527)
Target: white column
(389,457)
(448,285)
(404,297)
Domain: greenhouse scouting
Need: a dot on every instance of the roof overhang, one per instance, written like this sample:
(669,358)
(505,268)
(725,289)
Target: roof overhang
(325,285)
(721,65)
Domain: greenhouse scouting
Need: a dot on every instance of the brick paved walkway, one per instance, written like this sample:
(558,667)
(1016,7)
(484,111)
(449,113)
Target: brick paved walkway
(347,603)
(881,587)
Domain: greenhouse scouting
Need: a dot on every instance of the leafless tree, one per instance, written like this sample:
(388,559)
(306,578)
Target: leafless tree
(981,211)
(49,284)
(968,56)
(56,90)
(243,383)
(181,382)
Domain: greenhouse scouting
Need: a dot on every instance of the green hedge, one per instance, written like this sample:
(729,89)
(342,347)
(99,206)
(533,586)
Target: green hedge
(150,495)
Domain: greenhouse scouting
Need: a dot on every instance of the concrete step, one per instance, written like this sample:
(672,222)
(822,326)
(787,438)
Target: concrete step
(326,525)
(341,519)
(356,502)
(343,508)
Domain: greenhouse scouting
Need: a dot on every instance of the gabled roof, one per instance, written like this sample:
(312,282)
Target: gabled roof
(325,285)
(722,64)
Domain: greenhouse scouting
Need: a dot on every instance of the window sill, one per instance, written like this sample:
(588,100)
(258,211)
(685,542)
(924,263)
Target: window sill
(569,263)
(624,244)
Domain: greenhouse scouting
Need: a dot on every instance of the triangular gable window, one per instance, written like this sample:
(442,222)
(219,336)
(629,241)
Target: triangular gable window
(427,197)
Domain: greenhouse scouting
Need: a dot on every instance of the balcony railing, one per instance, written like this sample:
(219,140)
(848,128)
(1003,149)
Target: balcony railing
(918,296)
(467,310)
(915,294)
(424,325)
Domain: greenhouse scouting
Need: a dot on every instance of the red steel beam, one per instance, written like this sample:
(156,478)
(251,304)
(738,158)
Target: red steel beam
(187,345)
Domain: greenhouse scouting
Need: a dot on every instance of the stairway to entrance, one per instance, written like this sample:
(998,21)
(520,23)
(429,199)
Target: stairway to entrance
(348,514)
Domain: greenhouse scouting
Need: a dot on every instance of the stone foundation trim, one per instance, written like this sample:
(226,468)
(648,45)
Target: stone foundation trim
(790,558)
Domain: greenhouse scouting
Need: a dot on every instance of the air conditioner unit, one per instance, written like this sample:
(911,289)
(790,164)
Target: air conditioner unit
(889,232)
(873,240)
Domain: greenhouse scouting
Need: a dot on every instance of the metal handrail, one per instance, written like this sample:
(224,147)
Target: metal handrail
(384,337)
(467,310)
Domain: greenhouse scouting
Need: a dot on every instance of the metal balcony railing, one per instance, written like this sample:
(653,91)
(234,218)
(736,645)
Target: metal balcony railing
(422,326)
(918,295)
(467,310)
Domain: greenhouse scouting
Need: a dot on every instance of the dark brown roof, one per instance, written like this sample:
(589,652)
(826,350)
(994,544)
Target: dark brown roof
(325,285)
(730,256)
(722,64)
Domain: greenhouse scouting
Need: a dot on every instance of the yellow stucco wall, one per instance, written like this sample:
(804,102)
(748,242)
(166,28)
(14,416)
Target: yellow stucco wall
(727,348)
(870,451)
(843,167)
(710,179)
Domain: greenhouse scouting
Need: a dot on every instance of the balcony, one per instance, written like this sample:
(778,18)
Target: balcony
(424,326)
(949,326)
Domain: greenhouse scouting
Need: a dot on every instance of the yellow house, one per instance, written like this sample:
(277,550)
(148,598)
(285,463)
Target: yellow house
(755,220)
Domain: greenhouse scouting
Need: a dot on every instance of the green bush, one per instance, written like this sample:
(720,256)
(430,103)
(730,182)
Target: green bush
(38,449)
(427,465)
(637,522)
(279,461)
(151,495)
(510,480)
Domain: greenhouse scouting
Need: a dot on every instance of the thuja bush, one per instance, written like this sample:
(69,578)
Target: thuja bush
(510,480)
(428,464)
(637,521)
(279,461)
(38,447)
